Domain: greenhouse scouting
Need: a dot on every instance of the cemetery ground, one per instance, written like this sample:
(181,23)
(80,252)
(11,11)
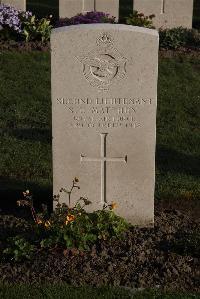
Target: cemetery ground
(166,257)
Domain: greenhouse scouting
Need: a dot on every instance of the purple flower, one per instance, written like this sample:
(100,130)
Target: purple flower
(90,17)
(12,18)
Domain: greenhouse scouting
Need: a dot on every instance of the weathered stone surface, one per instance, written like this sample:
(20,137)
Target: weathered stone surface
(70,8)
(18,4)
(169,13)
(104,90)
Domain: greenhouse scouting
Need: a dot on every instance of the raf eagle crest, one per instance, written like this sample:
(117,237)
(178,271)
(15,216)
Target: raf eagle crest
(104,65)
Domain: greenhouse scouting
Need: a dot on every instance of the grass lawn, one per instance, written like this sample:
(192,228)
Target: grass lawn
(65,292)
(178,138)
(25,127)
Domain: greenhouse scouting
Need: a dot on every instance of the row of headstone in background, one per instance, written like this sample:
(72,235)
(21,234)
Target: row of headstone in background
(169,13)
(104,95)
(18,4)
(69,8)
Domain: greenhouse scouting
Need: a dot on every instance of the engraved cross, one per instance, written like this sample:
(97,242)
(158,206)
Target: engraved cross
(163,3)
(103,159)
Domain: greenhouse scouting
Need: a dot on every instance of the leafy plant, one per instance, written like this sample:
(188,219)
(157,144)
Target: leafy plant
(179,37)
(19,249)
(73,227)
(139,19)
(34,29)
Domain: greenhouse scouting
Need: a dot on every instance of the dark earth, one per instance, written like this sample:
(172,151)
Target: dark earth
(166,256)
(11,45)
(22,46)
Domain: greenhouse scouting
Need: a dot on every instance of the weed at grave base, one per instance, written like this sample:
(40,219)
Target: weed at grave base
(68,228)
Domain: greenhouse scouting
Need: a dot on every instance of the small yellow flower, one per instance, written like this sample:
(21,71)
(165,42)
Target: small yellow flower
(104,237)
(113,205)
(47,224)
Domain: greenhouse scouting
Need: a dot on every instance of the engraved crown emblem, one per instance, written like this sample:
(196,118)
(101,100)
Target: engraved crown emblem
(105,40)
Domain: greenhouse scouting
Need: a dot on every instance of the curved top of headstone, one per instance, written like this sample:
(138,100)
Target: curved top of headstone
(108,27)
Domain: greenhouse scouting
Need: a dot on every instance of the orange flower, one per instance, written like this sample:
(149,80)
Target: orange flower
(70,218)
(39,221)
(113,205)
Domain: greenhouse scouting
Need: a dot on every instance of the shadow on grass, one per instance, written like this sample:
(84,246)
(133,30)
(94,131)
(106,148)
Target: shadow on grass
(42,195)
(171,160)
(41,135)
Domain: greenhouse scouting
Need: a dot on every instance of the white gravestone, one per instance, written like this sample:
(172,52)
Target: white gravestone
(18,4)
(104,91)
(168,13)
(70,8)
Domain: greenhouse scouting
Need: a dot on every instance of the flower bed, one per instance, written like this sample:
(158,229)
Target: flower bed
(99,248)
(22,26)
(166,256)
(23,31)
(90,17)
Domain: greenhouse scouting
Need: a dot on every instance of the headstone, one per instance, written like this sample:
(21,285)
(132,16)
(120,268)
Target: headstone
(18,4)
(104,90)
(168,13)
(70,8)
